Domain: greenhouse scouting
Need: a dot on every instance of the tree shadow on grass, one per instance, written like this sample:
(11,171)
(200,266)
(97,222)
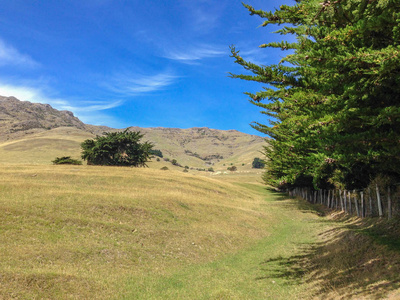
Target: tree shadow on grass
(355,260)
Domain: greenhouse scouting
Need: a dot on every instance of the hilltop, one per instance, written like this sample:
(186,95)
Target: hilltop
(42,132)
(18,118)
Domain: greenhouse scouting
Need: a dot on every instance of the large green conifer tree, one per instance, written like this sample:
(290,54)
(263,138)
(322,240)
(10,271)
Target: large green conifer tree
(334,99)
(117,149)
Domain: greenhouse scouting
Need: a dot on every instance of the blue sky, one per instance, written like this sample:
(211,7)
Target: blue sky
(135,63)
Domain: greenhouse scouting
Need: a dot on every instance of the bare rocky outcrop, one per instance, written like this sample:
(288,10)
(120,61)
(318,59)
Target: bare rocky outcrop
(23,117)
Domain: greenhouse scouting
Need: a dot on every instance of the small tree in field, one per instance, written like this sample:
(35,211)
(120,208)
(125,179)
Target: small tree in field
(258,163)
(117,149)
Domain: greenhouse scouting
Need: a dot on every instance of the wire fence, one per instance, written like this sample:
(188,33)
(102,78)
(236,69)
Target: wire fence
(383,202)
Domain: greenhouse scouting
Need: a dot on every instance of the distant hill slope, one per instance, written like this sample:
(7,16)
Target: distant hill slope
(40,132)
(204,146)
(18,118)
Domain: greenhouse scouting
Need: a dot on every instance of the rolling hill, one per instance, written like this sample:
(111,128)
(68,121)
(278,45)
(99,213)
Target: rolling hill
(37,133)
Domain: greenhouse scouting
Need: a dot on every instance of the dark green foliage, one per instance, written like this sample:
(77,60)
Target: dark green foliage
(66,160)
(164,168)
(211,169)
(185,170)
(174,162)
(117,149)
(156,152)
(334,100)
(233,168)
(258,163)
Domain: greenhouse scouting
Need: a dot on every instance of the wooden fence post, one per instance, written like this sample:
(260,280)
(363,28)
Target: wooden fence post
(370,202)
(329,198)
(378,196)
(341,200)
(350,208)
(326,198)
(336,199)
(362,204)
(356,203)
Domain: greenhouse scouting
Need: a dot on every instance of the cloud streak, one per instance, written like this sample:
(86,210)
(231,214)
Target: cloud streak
(194,54)
(11,56)
(133,85)
(37,95)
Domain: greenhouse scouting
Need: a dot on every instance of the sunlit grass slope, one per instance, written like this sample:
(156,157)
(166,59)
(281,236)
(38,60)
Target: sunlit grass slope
(85,232)
(90,232)
(41,148)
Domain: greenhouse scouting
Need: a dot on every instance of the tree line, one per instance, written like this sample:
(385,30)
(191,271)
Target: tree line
(333,101)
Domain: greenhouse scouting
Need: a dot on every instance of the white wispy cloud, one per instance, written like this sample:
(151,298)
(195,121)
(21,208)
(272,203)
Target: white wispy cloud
(133,85)
(194,54)
(29,93)
(11,56)
(100,119)
(95,107)
(39,95)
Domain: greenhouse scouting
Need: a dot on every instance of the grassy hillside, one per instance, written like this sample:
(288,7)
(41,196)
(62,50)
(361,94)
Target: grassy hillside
(205,147)
(196,148)
(85,232)
(41,148)
(92,232)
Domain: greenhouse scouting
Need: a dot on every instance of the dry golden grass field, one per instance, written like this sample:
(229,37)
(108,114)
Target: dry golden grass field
(87,232)
(90,232)
(84,232)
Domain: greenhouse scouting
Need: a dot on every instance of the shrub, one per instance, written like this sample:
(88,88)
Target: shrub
(233,168)
(164,168)
(258,163)
(66,160)
(156,152)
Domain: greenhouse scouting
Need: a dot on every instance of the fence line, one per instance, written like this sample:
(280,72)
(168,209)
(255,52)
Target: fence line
(371,202)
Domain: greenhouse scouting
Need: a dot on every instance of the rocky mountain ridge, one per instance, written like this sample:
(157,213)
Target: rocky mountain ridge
(18,118)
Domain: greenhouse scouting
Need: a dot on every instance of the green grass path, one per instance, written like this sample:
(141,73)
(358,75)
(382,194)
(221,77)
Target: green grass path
(265,270)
